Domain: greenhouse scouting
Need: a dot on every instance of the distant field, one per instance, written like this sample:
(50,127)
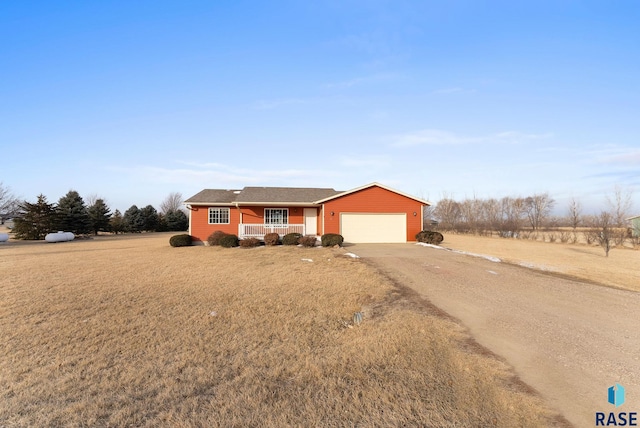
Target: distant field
(620,269)
(127,331)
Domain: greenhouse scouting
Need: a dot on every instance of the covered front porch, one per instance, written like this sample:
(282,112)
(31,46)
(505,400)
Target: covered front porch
(259,230)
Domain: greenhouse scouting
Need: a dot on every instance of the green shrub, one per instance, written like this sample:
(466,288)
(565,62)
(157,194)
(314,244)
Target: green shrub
(429,237)
(182,240)
(331,239)
(308,241)
(249,243)
(291,239)
(229,241)
(271,239)
(214,238)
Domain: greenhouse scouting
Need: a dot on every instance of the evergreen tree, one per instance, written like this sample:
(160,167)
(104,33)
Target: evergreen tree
(37,219)
(99,216)
(133,220)
(177,221)
(149,218)
(72,214)
(162,223)
(116,223)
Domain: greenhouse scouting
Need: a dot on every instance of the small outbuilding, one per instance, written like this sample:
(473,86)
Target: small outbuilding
(635,226)
(373,213)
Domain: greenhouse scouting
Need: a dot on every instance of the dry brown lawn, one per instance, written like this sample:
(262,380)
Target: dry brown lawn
(127,331)
(582,261)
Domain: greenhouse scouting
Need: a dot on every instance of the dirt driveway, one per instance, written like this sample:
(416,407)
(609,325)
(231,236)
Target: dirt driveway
(568,339)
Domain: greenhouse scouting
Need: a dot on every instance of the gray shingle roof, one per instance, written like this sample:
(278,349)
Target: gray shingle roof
(262,194)
(283,194)
(214,195)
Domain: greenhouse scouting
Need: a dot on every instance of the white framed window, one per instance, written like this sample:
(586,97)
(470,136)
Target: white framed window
(218,215)
(276,216)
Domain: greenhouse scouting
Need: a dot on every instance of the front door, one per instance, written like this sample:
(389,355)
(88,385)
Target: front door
(311,221)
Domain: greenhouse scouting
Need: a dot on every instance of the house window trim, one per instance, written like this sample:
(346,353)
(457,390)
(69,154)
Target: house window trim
(219,209)
(285,210)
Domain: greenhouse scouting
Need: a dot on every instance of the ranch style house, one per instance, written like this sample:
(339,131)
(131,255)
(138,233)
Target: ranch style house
(372,213)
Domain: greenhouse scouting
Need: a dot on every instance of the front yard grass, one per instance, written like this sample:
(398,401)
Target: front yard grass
(131,332)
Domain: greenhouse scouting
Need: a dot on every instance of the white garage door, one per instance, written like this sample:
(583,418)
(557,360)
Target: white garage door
(374,228)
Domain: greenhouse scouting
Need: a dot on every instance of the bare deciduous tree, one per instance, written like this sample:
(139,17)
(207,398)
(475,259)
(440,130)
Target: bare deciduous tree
(538,208)
(8,202)
(512,210)
(491,209)
(447,211)
(471,215)
(428,216)
(620,204)
(575,213)
(172,203)
(92,199)
(602,232)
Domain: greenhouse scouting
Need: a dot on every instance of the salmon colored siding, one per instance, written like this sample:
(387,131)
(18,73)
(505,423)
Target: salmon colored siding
(373,200)
(200,227)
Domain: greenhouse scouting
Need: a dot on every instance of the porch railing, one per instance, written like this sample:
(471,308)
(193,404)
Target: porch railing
(259,230)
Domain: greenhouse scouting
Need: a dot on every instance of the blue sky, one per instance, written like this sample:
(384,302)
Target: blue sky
(133,100)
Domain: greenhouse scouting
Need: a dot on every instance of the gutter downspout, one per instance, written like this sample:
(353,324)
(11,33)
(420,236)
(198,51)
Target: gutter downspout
(189,209)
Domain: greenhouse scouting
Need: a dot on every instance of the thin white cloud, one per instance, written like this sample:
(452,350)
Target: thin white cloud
(202,164)
(619,156)
(608,158)
(455,90)
(441,137)
(359,161)
(515,135)
(209,175)
(379,114)
(448,91)
(275,103)
(429,137)
(370,42)
(363,80)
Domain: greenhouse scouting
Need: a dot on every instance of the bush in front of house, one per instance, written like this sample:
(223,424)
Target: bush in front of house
(429,237)
(291,238)
(308,241)
(271,239)
(331,239)
(214,238)
(182,240)
(228,241)
(249,242)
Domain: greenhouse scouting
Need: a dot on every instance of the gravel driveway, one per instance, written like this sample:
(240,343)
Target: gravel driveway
(568,339)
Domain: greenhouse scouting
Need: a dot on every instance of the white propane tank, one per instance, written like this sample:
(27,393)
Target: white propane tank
(4,237)
(59,237)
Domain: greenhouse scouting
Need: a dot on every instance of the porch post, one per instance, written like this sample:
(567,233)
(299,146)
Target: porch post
(240,224)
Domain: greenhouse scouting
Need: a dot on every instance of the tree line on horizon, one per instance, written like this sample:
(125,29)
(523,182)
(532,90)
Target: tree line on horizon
(513,217)
(33,221)
(512,214)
